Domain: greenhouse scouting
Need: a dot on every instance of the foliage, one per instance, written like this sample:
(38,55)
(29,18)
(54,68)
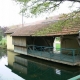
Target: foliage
(2,31)
(57,38)
(59,25)
(3,43)
(0,35)
(36,7)
(58,46)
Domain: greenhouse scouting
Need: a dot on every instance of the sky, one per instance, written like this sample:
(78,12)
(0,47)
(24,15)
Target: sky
(9,13)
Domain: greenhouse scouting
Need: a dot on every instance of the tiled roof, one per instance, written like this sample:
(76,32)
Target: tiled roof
(12,29)
(29,30)
(29,26)
(47,28)
(66,31)
(15,27)
(32,29)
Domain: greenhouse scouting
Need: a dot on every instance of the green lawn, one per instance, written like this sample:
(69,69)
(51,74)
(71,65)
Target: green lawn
(58,46)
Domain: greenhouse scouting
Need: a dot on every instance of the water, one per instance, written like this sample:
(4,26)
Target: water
(18,67)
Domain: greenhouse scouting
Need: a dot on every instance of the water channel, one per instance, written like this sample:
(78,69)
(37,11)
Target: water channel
(19,67)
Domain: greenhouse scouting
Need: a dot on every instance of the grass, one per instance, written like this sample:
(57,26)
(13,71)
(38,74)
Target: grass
(58,46)
(3,43)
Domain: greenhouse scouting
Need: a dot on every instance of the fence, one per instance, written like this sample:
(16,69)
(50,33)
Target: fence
(66,55)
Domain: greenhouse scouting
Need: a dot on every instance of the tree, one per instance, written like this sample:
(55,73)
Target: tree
(36,7)
(2,31)
(0,34)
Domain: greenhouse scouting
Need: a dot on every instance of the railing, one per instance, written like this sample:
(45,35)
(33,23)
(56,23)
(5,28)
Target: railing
(66,55)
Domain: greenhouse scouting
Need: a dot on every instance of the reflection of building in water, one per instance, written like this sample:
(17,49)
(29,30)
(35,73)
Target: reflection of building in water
(36,69)
(20,68)
(21,60)
(11,55)
(20,64)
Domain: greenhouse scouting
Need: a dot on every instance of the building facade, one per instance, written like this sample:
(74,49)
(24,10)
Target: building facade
(37,41)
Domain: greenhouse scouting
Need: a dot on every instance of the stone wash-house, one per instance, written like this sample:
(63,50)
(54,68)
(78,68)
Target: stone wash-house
(37,40)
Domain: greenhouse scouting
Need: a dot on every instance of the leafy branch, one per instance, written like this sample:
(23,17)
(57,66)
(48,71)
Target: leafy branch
(36,7)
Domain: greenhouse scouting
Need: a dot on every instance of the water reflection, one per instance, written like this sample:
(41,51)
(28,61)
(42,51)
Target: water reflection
(3,53)
(5,72)
(36,69)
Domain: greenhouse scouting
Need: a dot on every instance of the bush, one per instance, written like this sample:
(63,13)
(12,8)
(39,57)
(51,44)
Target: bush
(3,43)
(0,37)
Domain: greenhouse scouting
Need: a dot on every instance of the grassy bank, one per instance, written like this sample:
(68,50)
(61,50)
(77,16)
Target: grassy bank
(3,43)
(58,46)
